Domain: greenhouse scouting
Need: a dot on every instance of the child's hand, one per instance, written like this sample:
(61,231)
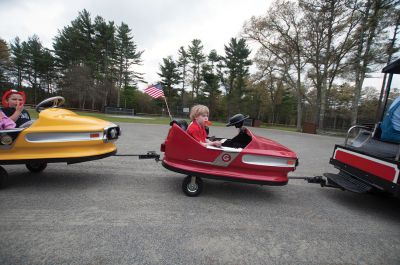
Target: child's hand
(216,143)
(19,107)
(2,115)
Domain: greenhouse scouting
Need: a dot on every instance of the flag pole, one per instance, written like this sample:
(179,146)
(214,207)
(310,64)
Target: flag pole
(169,113)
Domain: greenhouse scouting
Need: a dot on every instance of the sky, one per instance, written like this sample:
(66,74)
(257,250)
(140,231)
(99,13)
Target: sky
(159,27)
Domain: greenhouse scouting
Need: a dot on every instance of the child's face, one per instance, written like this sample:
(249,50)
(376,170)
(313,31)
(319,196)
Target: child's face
(15,100)
(202,118)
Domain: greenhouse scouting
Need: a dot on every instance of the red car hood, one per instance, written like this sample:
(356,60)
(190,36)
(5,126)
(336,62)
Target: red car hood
(264,146)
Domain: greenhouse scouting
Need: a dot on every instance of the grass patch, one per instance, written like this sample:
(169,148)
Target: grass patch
(32,113)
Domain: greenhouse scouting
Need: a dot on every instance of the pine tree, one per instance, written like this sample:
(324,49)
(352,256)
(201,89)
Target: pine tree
(32,51)
(106,52)
(182,63)
(48,71)
(104,49)
(211,87)
(213,58)
(236,65)
(4,60)
(196,58)
(18,60)
(169,77)
(126,55)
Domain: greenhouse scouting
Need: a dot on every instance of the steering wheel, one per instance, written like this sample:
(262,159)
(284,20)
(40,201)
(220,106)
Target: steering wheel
(57,102)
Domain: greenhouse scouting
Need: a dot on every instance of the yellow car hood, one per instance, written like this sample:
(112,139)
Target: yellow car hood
(55,120)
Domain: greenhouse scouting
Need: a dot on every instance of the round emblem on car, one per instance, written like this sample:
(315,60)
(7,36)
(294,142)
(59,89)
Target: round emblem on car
(6,140)
(226,158)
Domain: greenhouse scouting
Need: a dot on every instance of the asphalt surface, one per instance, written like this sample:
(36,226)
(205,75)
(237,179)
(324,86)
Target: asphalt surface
(121,210)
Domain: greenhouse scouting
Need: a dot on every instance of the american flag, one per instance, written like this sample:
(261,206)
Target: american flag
(154,91)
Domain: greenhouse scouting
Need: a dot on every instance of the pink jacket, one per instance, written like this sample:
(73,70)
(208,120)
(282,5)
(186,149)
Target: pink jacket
(6,123)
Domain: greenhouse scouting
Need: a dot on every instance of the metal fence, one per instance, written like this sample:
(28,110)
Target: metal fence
(119,111)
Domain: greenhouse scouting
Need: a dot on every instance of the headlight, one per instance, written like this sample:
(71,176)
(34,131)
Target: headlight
(6,139)
(111,133)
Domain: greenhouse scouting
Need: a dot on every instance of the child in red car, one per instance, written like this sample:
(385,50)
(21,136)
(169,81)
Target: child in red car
(197,129)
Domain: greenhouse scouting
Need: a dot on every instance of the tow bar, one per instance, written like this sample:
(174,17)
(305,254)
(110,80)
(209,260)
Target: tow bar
(324,182)
(148,155)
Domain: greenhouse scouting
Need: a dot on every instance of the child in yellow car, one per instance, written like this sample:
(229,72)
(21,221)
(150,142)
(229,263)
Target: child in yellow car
(6,122)
(13,107)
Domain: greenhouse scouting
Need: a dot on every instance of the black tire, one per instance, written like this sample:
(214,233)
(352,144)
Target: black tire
(192,190)
(36,167)
(3,177)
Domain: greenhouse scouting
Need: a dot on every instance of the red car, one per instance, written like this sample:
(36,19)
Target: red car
(245,158)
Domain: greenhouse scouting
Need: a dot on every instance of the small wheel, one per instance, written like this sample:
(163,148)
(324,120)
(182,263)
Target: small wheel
(36,167)
(3,177)
(192,186)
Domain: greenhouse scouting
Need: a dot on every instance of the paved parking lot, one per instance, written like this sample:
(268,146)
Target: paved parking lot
(120,210)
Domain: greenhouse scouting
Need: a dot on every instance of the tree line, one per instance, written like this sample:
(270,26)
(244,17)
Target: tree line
(311,59)
(218,81)
(92,64)
(318,49)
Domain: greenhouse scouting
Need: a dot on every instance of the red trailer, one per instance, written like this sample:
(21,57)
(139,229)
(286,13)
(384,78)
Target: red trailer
(244,158)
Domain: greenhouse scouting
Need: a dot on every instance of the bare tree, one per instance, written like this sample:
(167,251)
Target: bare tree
(77,85)
(391,49)
(370,30)
(330,25)
(268,77)
(281,32)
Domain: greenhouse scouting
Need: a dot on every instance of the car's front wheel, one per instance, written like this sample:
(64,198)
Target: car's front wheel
(36,167)
(192,186)
(3,177)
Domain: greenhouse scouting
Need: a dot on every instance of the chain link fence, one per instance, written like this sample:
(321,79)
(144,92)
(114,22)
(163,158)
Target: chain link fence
(119,111)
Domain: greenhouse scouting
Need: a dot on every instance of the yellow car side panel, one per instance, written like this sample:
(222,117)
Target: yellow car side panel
(60,120)
(57,150)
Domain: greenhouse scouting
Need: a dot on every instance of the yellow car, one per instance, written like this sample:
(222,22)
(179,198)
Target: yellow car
(58,135)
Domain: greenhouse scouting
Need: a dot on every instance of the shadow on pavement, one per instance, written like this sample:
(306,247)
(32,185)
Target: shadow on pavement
(50,179)
(380,205)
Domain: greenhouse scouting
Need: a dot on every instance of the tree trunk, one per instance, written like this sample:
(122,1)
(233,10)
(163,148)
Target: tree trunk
(299,98)
(322,107)
(393,41)
(318,104)
(19,78)
(183,83)
(326,65)
(193,82)
(83,102)
(364,60)
(35,88)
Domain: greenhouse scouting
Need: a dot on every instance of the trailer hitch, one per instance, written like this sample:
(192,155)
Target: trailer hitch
(324,182)
(148,155)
